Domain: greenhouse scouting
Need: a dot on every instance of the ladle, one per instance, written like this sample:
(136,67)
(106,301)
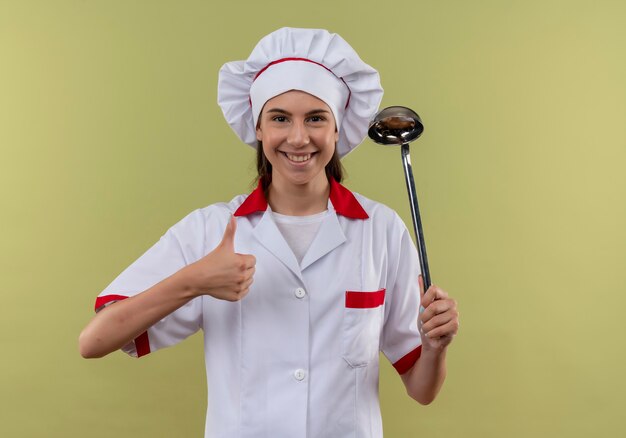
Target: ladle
(398,126)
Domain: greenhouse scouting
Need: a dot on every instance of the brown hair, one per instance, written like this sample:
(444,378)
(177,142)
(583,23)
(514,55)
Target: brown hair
(334,168)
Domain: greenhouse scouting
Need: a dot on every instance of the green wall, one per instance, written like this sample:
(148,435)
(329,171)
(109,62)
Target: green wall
(110,133)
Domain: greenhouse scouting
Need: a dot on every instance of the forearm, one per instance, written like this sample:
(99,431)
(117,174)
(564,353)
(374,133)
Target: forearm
(121,322)
(424,380)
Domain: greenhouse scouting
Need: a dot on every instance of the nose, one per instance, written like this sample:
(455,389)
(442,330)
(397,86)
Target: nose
(298,134)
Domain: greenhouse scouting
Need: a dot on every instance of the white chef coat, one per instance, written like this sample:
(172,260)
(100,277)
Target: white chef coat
(298,356)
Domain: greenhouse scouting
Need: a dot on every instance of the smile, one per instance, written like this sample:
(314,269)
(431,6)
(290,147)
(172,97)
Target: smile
(298,158)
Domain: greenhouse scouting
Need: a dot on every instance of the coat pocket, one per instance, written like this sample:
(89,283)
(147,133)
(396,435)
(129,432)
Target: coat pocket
(362,321)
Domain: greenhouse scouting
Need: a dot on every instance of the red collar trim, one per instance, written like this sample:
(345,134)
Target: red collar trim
(254,202)
(343,200)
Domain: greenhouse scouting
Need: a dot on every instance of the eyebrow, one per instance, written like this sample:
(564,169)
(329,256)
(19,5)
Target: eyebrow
(282,111)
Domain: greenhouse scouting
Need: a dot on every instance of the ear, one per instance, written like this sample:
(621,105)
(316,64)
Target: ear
(259,131)
(336,136)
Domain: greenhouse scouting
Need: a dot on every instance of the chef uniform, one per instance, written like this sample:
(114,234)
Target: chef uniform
(298,355)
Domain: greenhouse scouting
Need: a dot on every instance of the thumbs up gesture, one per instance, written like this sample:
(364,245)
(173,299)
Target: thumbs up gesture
(438,321)
(222,273)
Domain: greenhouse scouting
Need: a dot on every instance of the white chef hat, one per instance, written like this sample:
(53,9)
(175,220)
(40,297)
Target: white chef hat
(311,60)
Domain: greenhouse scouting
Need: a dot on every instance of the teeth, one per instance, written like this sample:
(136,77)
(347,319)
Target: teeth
(298,158)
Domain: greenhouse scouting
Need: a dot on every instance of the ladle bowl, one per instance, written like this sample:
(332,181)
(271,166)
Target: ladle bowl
(395,125)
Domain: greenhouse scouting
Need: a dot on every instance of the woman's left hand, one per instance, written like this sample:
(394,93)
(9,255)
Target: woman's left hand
(438,323)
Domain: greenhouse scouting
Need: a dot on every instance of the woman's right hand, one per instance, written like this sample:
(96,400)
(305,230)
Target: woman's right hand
(222,274)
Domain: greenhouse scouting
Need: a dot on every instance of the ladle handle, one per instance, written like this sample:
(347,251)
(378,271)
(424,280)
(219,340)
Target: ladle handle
(415,215)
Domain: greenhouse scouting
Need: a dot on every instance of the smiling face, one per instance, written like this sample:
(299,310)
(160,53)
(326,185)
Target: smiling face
(298,133)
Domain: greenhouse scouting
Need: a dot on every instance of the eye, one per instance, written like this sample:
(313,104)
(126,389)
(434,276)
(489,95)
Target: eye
(317,118)
(279,119)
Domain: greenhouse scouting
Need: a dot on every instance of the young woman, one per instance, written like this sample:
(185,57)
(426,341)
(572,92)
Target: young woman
(298,285)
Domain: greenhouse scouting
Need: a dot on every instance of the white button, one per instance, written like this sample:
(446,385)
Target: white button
(300,293)
(299,374)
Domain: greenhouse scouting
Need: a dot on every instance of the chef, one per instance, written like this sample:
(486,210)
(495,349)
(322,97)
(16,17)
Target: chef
(300,284)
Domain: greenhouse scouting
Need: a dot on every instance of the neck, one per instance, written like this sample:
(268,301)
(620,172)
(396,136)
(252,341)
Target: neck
(299,199)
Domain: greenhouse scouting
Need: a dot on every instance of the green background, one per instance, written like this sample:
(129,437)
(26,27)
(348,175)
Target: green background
(110,133)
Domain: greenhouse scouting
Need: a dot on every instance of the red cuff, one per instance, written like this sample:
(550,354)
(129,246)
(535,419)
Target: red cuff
(106,299)
(142,342)
(405,363)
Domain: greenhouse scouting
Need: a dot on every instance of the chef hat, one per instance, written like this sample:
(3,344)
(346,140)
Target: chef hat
(311,60)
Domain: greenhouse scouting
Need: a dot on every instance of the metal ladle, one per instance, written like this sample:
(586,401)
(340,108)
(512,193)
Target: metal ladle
(398,126)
